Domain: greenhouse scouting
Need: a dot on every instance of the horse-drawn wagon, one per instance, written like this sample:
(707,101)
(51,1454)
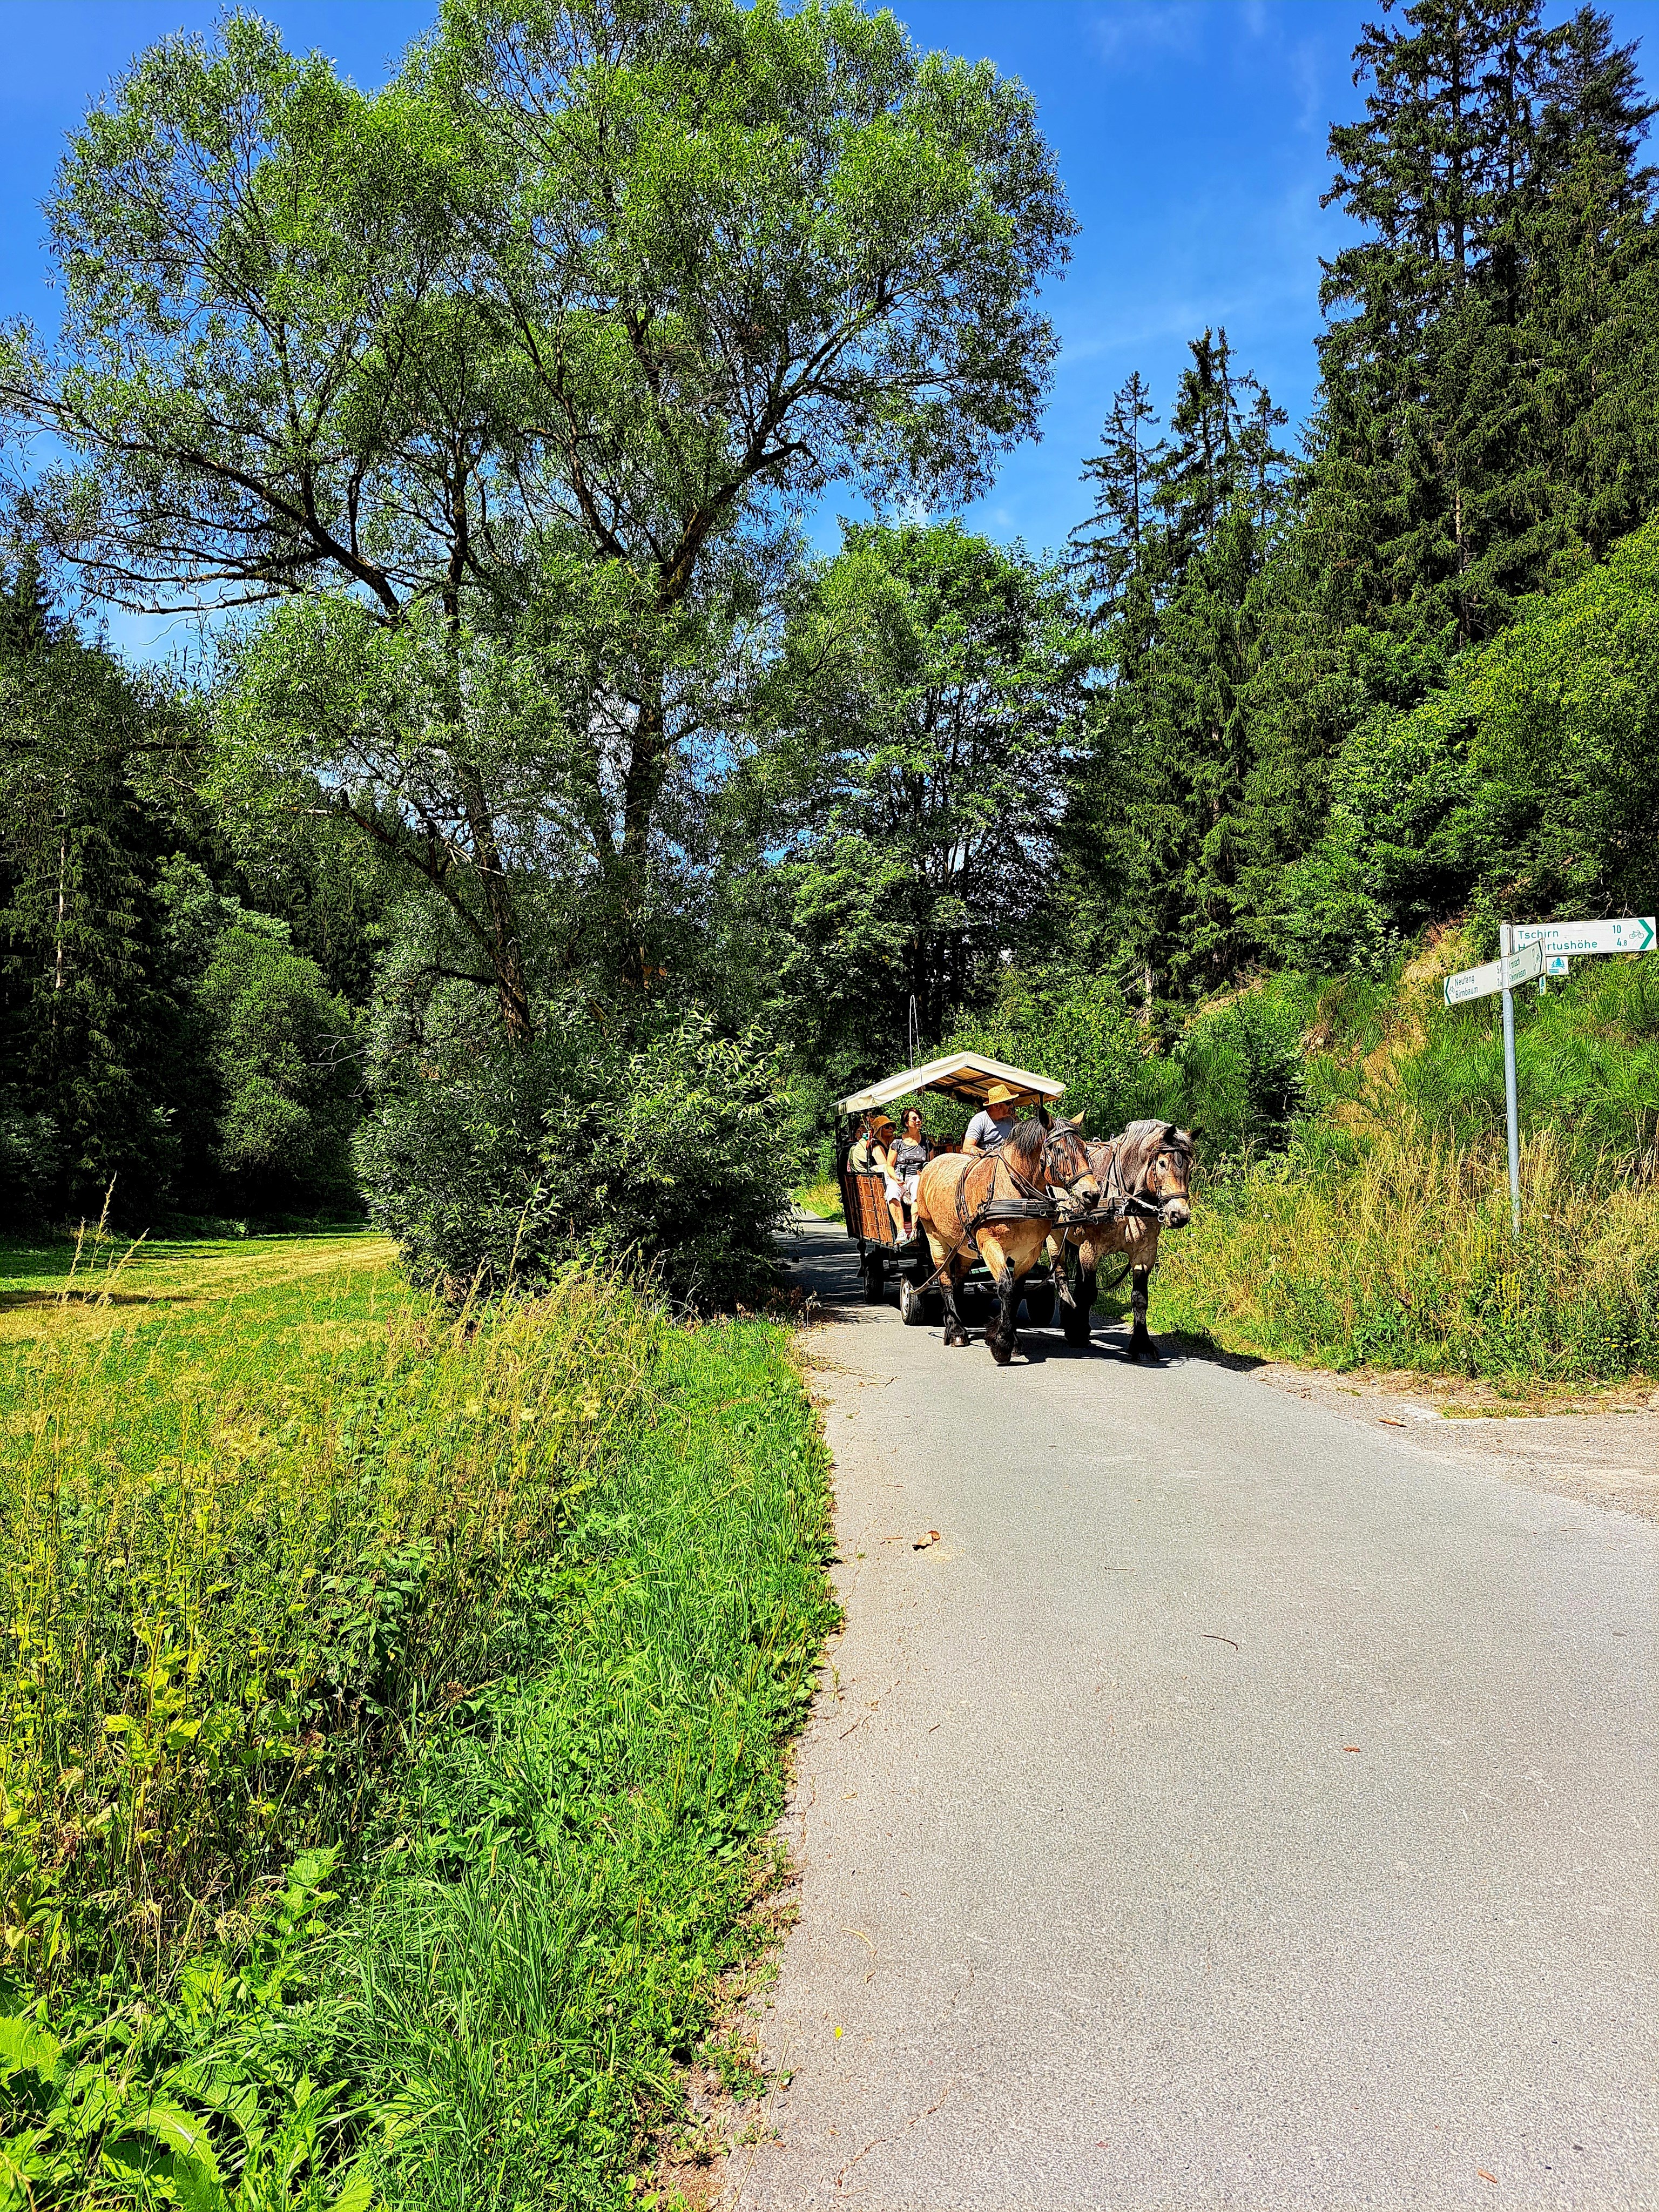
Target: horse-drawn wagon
(884,1254)
(1031,1220)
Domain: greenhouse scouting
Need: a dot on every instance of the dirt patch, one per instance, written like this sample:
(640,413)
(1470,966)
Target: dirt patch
(1599,1447)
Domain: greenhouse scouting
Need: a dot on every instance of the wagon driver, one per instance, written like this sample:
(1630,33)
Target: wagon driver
(989,1129)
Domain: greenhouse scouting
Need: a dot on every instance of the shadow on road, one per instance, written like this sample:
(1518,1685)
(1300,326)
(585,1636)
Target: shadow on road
(821,1260)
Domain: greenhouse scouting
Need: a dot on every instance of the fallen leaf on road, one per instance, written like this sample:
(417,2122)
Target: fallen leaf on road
(1484,2176)
(1351,1746)
(1209,1636)
(921,1543)
(1388,1423)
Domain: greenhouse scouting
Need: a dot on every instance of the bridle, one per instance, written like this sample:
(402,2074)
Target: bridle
(1038,1200)
(1138,1201)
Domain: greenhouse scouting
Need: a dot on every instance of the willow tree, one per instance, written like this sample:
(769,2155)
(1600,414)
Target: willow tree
(502,379)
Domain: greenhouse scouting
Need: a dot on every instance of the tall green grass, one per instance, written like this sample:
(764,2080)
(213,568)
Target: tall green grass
(497,1624)
(526,1970)
(1393,1249)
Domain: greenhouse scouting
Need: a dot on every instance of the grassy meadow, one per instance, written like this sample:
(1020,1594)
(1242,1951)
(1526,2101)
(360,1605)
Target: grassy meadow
(1378,1232)
(392,1704)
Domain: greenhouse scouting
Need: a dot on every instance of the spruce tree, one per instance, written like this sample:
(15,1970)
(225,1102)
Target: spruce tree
(91,1037)
(1108,548)
(1154,830)
(1488,370)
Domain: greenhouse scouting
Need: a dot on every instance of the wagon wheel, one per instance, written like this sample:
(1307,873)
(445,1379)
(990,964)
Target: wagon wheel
(1040,1304)
(875,1277)
(913,1304)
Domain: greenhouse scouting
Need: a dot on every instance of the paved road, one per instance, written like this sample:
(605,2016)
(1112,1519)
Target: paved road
(1237,1805)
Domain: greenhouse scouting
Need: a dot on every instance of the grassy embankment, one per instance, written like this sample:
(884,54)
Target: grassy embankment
(823,1199)
(392,1707)
(1380,1233)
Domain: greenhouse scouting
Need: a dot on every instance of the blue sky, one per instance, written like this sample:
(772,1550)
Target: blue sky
(1190,134)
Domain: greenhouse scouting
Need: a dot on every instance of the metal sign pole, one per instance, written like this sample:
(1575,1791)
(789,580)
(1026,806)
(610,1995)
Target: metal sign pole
(1511,1111)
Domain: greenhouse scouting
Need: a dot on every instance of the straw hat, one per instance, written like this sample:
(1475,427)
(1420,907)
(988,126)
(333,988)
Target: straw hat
(1001,1091)
(880,1121)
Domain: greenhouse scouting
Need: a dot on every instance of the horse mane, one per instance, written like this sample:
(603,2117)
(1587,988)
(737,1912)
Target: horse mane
(1024,1146)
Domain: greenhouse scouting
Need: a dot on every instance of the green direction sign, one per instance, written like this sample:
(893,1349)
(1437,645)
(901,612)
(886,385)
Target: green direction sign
(1632,933)
(1495,976)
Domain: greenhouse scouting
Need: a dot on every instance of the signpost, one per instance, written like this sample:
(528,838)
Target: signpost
(1634,933)
(1496,975)
(1526,949)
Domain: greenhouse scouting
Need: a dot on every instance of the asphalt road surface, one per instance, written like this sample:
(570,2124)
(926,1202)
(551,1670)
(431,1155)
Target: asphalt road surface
(1237,1805)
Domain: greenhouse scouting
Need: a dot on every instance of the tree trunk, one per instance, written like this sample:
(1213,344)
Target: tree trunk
(641,787)
(505,948)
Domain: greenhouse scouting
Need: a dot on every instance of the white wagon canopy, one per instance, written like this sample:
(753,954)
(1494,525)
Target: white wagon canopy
(964,1075)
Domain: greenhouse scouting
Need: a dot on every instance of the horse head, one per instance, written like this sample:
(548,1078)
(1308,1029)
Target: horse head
(1066,1168)
(1154,1161)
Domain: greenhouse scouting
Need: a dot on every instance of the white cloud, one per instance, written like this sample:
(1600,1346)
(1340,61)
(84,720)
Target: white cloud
(1124,27)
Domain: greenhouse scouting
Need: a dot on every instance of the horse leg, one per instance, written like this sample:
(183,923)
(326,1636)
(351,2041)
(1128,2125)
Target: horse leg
(955,1331)
(1078,1325)
(1000,1332)
(1141,1344)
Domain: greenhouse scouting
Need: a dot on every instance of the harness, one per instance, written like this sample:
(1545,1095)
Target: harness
(1035,1203)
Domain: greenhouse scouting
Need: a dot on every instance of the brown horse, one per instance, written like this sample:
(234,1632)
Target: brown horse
(1032,1163)
(1149,1166)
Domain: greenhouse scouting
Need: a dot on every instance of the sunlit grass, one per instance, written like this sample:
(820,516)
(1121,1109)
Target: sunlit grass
(823,1199)
(519,1607)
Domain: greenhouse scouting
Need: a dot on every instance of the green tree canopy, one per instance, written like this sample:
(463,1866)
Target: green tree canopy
(509,364)
(929,690)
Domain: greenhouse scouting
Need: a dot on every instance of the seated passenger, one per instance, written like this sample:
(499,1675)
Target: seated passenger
(910,1155)
(858,1152)
(989,1129)
(878,1160)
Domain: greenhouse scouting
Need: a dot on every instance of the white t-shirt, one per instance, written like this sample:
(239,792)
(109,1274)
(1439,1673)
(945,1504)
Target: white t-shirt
(987,1133)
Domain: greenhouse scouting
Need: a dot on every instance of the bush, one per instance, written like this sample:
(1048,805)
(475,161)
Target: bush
(1236,1074)
(1079,1030)
(1587,1066)
(282,1050)
(497,1166)
(1243,1079)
